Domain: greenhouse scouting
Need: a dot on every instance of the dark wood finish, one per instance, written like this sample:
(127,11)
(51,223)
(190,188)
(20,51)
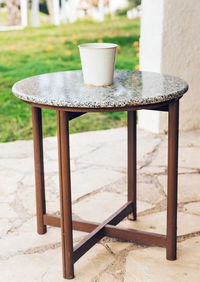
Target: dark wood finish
(132,156)
(84,226)
(80,225)
(109,230)
(161,106)
(39,169)
(164,108)
(172,180)
(98,233)
(65,194)
(52,220)
(136,236)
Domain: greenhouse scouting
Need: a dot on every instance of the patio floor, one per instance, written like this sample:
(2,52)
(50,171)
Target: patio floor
(98,164)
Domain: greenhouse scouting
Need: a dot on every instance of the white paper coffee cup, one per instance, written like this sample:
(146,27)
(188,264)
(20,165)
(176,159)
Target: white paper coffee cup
(98,63)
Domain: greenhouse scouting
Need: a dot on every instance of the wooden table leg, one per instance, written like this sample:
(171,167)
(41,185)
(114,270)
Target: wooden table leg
(39,169)
(132,153)
(65,193)
(172,180)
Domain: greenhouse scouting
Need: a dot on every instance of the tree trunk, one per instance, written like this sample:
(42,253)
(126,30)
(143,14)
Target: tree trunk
(13,12)
(50,9)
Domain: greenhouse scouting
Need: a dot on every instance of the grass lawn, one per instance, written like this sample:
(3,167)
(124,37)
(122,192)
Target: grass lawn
(48,49)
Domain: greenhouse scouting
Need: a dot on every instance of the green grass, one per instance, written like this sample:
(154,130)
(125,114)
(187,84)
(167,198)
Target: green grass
(23,54)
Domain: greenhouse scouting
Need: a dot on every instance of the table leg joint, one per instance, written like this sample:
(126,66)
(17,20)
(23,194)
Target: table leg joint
(98,230)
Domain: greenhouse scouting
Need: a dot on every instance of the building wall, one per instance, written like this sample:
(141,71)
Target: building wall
(181,56)
(170,43)
(150,52)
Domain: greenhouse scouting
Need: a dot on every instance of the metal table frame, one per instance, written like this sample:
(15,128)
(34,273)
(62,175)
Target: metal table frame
(108,228)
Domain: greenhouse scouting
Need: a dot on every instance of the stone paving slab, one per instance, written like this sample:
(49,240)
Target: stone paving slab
(99,181)
(187,223)
(193,208)
(101,205)
(189,187)
(150,264)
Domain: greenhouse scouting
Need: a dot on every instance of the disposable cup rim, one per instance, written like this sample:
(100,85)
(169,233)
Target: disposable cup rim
(95,46)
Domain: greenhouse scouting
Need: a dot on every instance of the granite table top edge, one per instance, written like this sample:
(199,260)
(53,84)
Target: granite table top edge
(180,87)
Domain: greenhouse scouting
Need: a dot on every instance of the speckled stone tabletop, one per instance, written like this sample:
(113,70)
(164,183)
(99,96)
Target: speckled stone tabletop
(130,88)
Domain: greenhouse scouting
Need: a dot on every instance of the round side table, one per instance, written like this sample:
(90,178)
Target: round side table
(131,91)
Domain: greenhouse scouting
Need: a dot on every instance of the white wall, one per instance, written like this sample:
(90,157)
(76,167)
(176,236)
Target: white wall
(151,52)
(56,12)
(170,43)
(24,12)
(181,55)
(35,13)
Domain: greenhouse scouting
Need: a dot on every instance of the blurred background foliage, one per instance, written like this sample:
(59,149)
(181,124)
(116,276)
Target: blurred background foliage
(49,48)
